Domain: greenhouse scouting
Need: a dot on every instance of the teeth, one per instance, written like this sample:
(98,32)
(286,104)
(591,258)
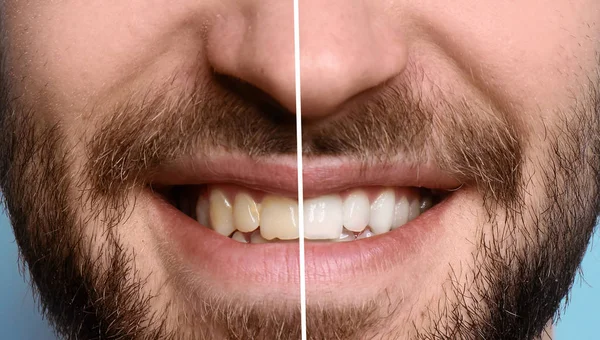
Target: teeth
(382,212)
(356,211)
(202,211)
(221,214)
(401,210)
(256,238)
(327,217)
(365,234)
(323,217)
(414,210)
(345,236)
(245,213)
(238,236)
(279,217)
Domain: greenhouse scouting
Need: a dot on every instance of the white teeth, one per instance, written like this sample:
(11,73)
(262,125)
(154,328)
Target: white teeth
(401,210)
(245,213)
(345,236)
(221,213)
(202,211)
(279,218)
(382,212)
(414,209)
(356,211)
(237,236)
(365,234)
(323,217)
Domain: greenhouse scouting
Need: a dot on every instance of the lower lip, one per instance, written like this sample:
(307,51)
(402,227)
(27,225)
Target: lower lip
(222,259)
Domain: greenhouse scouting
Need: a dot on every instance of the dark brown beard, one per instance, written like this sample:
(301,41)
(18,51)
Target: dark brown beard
(522,288)
(477,146)
(482,150)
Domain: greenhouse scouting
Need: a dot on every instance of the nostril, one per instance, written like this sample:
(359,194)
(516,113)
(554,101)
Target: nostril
(269,106)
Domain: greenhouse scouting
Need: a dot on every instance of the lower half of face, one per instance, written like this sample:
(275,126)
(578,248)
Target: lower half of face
(210,249)
(431,209)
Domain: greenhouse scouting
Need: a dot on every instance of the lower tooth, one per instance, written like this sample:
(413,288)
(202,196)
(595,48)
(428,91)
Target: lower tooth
(345,236)
(365,234)
(238,236)
(255,237)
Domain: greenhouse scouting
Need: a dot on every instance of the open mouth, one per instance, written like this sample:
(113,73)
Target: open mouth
(233,219)
(251,216)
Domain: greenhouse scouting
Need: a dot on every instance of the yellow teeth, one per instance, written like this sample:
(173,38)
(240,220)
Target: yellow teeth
(245,213)
(279,218)
(221,213)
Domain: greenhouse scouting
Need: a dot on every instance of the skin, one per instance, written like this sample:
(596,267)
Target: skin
(503,86)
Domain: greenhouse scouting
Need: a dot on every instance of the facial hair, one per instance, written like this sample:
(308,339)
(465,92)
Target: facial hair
(518,290)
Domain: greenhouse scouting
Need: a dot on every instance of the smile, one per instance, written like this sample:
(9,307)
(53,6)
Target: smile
(229,223)
(251,216)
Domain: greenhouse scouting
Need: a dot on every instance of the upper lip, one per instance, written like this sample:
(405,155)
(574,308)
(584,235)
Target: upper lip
(278,174)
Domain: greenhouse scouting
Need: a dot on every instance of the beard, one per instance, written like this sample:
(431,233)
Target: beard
(88,286)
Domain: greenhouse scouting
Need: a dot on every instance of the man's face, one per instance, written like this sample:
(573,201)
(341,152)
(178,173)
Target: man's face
(449,154)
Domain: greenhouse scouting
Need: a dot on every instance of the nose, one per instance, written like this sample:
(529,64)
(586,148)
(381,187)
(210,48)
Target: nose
(346,48)
(255,45)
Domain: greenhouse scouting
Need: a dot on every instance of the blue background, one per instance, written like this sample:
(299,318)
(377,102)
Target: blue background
(19,318)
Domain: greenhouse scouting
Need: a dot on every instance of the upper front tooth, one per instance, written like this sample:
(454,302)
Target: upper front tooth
(221,213)
(356,211)
(323,217)
(382,212)
(245,213)
(401,210)
(279,218)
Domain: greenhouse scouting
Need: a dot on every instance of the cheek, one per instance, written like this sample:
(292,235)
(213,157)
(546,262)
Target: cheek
(71,53)
(530,56)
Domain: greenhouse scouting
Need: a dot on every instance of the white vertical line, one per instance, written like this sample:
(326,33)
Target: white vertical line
(299,163)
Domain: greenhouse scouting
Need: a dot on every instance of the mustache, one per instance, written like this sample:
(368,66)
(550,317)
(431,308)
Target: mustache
(467,138)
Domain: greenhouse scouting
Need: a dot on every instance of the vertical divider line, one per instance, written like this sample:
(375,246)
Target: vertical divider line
(299,167)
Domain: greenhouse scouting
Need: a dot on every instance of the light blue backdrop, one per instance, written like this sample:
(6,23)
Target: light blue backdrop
(20,320)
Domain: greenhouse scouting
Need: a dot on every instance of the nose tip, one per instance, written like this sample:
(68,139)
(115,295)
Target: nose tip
(341,55)
(332,74)
(256,46)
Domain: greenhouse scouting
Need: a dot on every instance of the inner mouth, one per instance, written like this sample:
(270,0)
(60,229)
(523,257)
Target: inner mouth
(251,216)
